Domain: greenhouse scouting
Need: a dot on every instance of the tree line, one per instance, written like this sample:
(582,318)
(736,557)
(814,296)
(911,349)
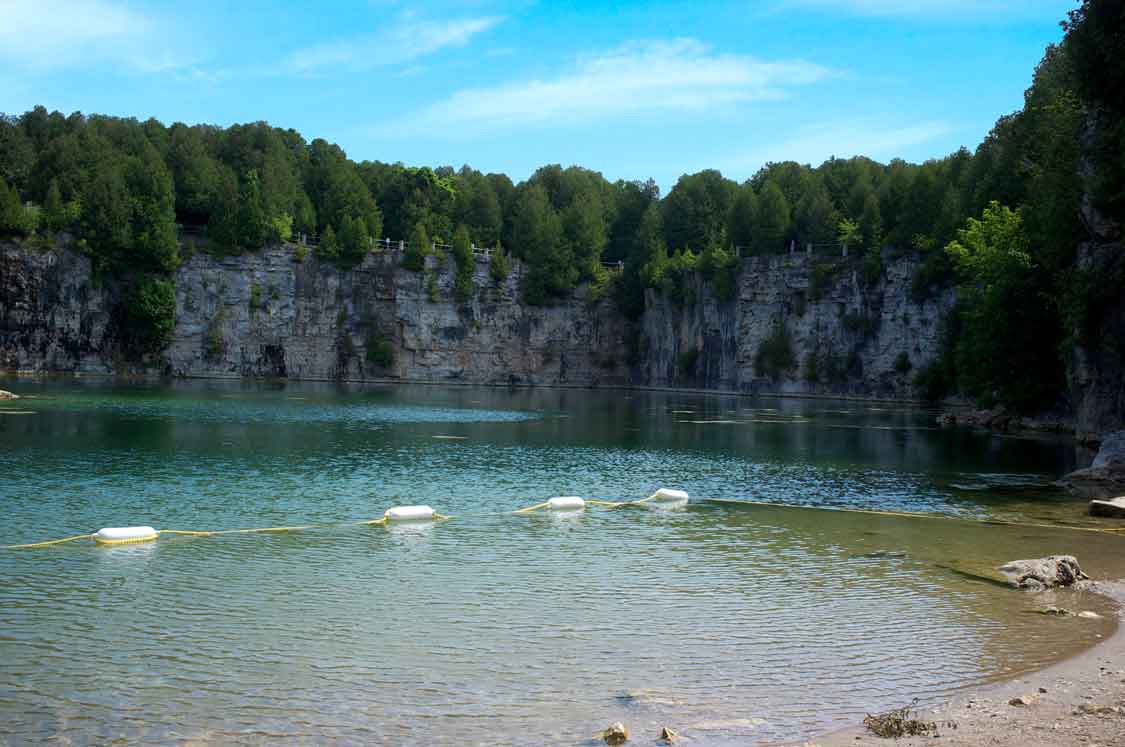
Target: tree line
(121,186)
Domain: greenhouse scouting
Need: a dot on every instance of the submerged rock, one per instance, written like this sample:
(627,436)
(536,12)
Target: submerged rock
(1043,573)
(1114,508)
(615,734)
(8,395)
(1106,476)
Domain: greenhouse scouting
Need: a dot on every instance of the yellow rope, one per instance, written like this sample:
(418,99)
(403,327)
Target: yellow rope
(909,515)
(529,509)
(187,532)
(607,504)
(50,542)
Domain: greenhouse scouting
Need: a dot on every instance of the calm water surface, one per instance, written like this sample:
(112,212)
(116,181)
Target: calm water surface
(732,623)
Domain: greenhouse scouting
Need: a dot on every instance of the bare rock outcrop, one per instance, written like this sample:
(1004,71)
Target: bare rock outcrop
(1043,573)
(1105,478)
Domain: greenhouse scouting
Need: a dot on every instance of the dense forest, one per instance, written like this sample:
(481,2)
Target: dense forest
(1002,223)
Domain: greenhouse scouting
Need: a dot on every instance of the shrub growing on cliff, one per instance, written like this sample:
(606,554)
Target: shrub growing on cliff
(719,267)
(687,361)
(498,264)
(151,314)
(775,354)
(379,350)
(463,258)
(417,249)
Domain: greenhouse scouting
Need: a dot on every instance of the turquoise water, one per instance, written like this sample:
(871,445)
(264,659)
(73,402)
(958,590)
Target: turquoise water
(731,623)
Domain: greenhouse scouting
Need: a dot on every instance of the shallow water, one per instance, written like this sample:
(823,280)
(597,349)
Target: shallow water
(731,623)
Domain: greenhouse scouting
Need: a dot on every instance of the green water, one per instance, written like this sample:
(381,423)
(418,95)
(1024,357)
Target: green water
(731,623)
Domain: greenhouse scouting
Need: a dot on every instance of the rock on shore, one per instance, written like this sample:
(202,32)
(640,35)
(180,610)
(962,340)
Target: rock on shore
(1114,508)
(1043,573)
(1105,478)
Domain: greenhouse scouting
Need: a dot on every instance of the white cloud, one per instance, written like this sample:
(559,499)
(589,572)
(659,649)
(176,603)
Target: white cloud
(47,34)
(817,143)
(404,41)
(678,76)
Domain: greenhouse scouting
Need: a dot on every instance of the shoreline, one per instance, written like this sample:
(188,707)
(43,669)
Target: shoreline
(388,381)
(1077,701)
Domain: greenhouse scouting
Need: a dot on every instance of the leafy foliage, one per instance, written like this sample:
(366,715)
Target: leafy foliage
(151,315)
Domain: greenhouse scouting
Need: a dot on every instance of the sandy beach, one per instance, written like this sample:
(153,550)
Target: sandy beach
(1078,701)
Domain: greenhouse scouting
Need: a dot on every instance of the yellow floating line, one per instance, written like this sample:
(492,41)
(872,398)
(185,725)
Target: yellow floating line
(50,542)
(909,515)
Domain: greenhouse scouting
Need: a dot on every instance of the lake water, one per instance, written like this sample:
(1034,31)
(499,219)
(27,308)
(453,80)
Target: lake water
(732,623)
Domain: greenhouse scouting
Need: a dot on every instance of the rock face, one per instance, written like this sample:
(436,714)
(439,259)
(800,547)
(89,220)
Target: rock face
(1105,477)
(1096,365)
(1043,573)
(266,314)
(846,335)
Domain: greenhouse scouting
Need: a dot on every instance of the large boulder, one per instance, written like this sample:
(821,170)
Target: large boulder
(8,395)
(1043,573)
(1114,508)
(1104,478)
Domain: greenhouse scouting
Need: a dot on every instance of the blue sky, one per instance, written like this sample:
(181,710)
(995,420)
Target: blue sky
(632,89)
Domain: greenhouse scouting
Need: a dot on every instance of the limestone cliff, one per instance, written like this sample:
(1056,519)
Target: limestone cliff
(266,314)
(846,334)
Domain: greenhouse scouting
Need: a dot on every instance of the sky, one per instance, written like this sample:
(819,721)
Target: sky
(631,89)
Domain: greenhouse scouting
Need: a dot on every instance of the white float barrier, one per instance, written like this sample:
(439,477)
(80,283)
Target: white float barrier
(666,498)
(566,503)
(124,535)
(409,513)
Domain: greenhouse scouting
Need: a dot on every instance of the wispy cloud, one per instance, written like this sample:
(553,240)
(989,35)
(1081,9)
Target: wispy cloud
(406,40)
(681,75)
(51,34)
(817,143)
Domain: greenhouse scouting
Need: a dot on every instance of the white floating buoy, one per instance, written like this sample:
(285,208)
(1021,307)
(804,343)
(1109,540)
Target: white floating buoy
(410,513)
(566,503)
(124,535)
(665,498)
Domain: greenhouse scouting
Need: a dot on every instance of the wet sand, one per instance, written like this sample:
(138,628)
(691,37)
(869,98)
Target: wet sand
(1078,701)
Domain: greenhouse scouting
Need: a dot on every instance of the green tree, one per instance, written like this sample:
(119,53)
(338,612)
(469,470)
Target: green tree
(871,223)
(151,315)
(56,216)
(815,217)
(848,233)
(742,222)
(538,233)
(696,210)
(152,243)
(772,221)
(417,249)
(463,258)
(329,246)
(252,222)
(11,210)
(355,242)
(498,264)
(1008,337)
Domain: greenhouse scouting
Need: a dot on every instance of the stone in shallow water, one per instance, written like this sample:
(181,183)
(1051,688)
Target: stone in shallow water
(1114,508)
(1043,573)
(616,734)
(8,395)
